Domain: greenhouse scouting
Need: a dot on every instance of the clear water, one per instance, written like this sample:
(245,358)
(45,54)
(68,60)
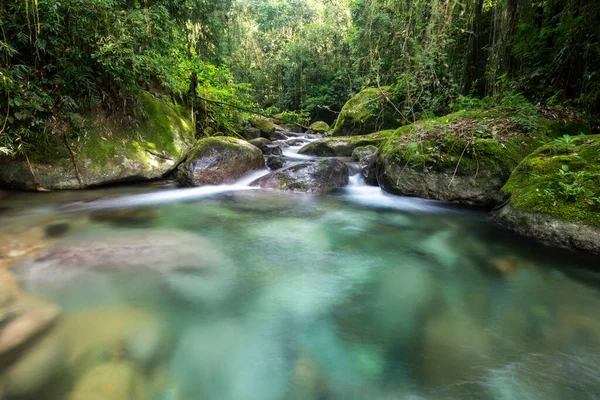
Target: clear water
(251,294)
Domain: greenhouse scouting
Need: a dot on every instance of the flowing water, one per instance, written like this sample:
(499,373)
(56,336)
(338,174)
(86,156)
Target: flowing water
(238,293)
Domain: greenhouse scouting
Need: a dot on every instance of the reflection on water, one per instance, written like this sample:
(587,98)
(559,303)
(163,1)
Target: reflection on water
(248,294)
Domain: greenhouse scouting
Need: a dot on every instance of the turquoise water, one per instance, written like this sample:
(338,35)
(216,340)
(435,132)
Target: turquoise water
(248,294)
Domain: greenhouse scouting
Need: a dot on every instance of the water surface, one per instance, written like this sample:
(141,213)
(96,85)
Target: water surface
(250,294)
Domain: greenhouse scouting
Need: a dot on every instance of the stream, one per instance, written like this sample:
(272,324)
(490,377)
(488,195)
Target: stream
(232,292)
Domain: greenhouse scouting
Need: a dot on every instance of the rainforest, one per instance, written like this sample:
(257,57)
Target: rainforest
(299,199)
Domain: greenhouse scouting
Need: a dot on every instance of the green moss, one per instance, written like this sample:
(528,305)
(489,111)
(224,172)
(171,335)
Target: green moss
(559,128)
(263,124)
(467,142)
(320,127)
(365,113)
(535,185)
(164,128)
(343,146)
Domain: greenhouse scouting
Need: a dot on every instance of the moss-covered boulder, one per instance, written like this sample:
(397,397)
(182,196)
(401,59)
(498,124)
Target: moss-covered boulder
(320,127)
(554,194)
(367,112)
(319,176)
(464,157)
(343,146)
(219,160)
(108,150)
(264,125)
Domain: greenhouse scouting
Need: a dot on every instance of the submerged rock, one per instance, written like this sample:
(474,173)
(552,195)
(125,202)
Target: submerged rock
(365,113)
(343,146)
(455,351)
(111,381)
(219,160)
(319,176)
(126,216)
(185,264)
(109,152)
(554,195)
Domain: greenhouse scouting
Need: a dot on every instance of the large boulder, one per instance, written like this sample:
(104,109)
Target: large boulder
(343,146)
(110,150)
(554,194)
(319,127)
(465,157)
(368,111)
(319,176)
(265,126)
(219,160)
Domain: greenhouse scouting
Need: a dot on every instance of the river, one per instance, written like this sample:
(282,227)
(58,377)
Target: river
(232,292)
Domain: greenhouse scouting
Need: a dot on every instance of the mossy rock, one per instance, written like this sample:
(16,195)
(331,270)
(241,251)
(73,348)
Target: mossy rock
(319,176)
(554,195)
(219,160)
(344,146)
(264,125)
(464,157)
(320,127)
(110,150)
(365,113)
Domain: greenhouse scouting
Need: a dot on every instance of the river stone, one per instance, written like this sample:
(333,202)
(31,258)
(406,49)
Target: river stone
(26,325)
(343,146)
(319,176)
(186,264)
(275,162)
(278,134)
(367,160)
(260,143)
(111,381)
(218,161)
(296,142)
(272,150)
(34,367)
(250,133)
(320,127)
(455,351)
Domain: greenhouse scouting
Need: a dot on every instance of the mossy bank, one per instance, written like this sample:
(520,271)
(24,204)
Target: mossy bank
(554,194)
(464,157)
(107,149)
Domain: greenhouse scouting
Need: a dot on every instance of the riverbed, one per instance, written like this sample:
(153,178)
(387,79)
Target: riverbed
(232,292)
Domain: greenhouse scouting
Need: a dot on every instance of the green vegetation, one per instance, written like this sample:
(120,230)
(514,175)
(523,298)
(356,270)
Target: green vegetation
(78,78)
(560,179)
(466,142)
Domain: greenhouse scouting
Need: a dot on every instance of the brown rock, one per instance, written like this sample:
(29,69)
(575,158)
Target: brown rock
(110,381)
(26,326)
(219,160)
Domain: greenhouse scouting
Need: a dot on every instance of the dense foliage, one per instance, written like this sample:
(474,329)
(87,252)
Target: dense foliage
(61,58)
